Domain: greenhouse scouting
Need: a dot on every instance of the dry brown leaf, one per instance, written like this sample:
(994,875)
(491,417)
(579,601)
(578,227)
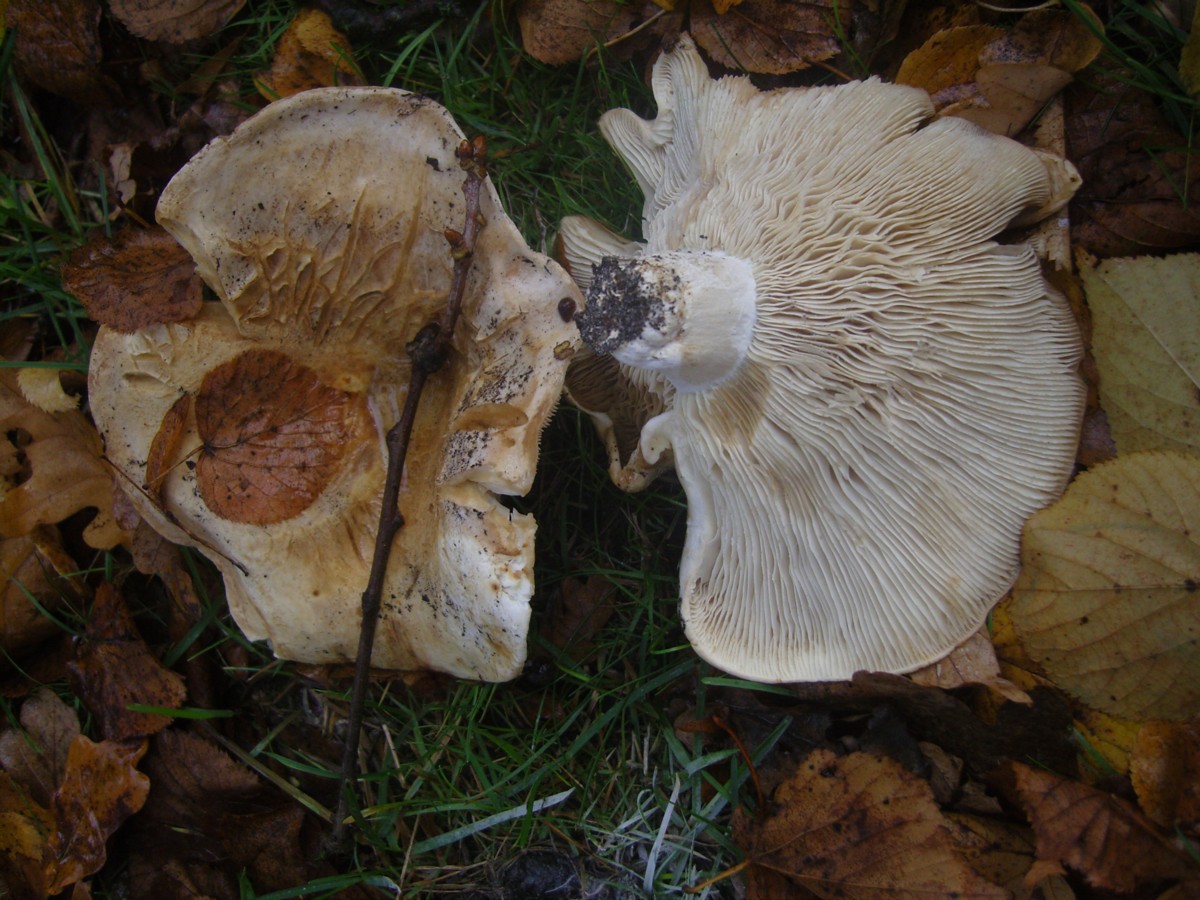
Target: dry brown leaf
(1052,37)
(165,447)
(274,436)
(58,49)
(311,54)
(101,788)
(557,32)
(174,21)
(1107,601)
(37,759)
(1165,771)
(857,826)
(35,572)
(1003,852)
(577,613)
(63,471)
(1104,838)
(24,828)
(773,37)
(971,662)
(136,278)
(1139,176)
(115,669)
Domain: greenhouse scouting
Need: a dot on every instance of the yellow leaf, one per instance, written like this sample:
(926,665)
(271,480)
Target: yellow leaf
(311,54)
(1146,340)
(1107,601)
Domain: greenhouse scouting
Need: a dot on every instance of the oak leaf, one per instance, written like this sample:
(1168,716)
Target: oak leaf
(54,468)
(37,759)
(134,279)
(856,826)
(1101,836)
(1146,342)
(35,579)
(273,436)
(1107,601)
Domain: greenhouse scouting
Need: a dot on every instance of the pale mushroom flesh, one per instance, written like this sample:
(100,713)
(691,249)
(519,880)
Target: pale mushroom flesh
(320,226)
(863,394)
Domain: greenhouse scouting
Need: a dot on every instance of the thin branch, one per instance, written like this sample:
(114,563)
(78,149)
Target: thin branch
(428,351)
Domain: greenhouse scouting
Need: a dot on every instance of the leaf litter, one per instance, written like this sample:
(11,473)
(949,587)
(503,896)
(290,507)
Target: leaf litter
(882,769)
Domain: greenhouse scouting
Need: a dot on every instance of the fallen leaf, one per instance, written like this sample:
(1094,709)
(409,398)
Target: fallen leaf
(1003,852)
(24,829)
(1107,601)
(114,669)
(577,613)
(773,37)
(37,759)
(857,826)
(1105,743)
(947,62)
(134,279)
(1165,771)
(174,21)
(274,436)
(164,449)
(62,471)
(1139,174)
(57,47)
(557,32)
(101,788)
(1146,342)
(311,54)
(35,579)
(1104,838)
(971,662)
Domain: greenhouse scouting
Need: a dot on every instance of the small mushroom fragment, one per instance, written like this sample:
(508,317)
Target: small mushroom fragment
(863,394)
(255,431)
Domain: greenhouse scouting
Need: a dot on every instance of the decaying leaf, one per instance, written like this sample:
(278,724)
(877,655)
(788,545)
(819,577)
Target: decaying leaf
(57,47)
(164,449)
(274,435)
(60,471)
(1140,176)
(1146,341)
(1165,771)
(971,662)
(557,32)
(769,36)
(1107,600)
(37,759)
(174,21)
(135,278)
(856,826)
(577,613)
(1003,852)
(116,669)
(24,827)
(35,579)
(311,54)
(1101,836)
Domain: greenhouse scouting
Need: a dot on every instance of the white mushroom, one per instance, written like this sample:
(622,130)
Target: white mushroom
(864,394)
(320,226)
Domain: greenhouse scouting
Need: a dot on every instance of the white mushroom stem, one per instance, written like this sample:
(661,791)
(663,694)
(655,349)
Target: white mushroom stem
(688,315)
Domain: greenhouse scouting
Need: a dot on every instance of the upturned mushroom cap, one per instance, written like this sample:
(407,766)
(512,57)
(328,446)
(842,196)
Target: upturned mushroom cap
(320,226)
(858,468)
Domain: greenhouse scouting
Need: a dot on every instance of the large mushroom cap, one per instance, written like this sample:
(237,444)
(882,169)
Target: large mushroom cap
(859,464)
(320,223)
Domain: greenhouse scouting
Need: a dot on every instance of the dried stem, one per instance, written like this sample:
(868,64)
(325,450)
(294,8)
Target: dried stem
(428,352)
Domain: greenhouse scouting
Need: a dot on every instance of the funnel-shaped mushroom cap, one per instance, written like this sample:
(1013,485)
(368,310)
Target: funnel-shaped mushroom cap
(320,226)
(859,466)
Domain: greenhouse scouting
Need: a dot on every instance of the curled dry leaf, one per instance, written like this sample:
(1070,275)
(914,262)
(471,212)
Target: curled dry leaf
(61,472)
(1104,838)
(174,21)
(557,32)
(971,662)
(1165,771)
(1107,600)
(311,54)
(115,669)
(135,278)
(855,826)
(773,37)
(1146,342)
(273,435)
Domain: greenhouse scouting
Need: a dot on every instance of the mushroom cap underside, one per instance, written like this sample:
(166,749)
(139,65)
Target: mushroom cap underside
(325,270)
(856,491)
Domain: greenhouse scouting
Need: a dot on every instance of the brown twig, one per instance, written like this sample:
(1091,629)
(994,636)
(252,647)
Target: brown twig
(428,352)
